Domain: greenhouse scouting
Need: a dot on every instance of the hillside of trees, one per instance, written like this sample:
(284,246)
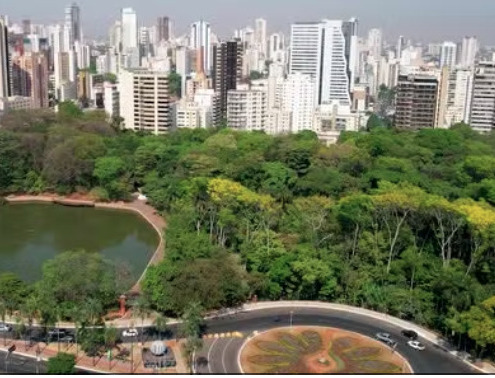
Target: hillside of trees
(395,221)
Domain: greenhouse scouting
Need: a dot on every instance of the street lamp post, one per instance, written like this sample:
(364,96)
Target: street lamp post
(132,355)
(290,318)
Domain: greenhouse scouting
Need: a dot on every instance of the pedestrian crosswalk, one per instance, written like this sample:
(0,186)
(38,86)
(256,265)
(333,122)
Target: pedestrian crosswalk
(226,335)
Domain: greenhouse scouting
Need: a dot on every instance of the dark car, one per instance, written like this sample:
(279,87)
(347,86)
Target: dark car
(410,334)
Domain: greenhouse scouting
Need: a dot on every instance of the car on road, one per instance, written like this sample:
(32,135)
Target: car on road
(416,345)
(131,332)
(385,338)
(5,327)
(410,334)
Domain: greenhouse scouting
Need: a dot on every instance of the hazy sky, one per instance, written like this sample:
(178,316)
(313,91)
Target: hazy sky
(431,20)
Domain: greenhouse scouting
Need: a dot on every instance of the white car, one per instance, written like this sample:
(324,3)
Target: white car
(132,332)
(5,327)
(416,345)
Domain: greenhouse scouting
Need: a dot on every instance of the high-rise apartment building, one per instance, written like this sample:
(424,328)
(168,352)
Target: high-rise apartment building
(111,100)
(260,36)
(327,51)
(416,101)
(455,96)
(129,29)
(145,101)
(30,78)
(201,43)
(163,29)
(73,23)
(375,43)
(247,108)
(482,117)
(297,98)
(4,61)
(448,55)
(469,51)
(227,62)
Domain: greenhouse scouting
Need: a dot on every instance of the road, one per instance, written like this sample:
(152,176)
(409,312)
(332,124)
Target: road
(221,354)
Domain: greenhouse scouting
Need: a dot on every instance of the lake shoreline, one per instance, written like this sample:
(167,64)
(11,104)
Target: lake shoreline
(147,212)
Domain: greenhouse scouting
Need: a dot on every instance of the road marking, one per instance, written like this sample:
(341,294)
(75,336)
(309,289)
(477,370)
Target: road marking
(223,356)
(209,355)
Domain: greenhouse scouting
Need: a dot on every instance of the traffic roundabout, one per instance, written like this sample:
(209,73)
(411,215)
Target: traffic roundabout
(235,338)
(318,350)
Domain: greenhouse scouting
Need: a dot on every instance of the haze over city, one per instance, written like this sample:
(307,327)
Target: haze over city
(424,20)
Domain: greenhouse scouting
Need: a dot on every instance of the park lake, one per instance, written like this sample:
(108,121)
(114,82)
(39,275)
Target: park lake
(31,234)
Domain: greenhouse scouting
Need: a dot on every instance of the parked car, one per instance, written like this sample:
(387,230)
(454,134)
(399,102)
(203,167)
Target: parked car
(67,339)
(5,327)
(416,345)
(410,334)
(56,334)
(131,332)
(385,338)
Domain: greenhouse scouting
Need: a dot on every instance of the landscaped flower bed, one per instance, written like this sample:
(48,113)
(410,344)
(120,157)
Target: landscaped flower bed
(318,350)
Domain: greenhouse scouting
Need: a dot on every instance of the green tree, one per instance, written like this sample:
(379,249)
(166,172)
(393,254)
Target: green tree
(62,363)
(175,84)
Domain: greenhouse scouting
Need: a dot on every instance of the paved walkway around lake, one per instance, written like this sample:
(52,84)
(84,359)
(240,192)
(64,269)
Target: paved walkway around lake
(136,206)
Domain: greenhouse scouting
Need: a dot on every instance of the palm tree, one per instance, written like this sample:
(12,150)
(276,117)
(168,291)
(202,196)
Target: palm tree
(160,324)
(143,310)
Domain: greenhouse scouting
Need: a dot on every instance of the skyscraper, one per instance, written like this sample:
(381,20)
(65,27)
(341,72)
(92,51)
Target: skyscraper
(260,36)
(469,50)
(327,51)
(400,46)
(163,29)
(448,55)
(375,43)
(129,29)
(201,42)
(4,61)
(73,22)
(227,62)
(483,100)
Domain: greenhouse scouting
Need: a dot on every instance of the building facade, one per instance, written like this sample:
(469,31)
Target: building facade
(482,116)
(30,78)
(4,61)
(145,101)
(416,101)
(226,74)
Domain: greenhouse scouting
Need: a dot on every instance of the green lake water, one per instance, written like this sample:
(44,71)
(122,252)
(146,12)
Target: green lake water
(30,234)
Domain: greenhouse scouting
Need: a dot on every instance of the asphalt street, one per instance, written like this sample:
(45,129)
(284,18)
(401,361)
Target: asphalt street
(220,356)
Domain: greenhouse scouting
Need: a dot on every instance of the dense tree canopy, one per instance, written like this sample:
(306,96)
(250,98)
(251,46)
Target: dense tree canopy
(396,221)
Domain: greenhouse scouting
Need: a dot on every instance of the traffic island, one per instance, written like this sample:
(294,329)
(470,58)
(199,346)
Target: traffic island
(318,350)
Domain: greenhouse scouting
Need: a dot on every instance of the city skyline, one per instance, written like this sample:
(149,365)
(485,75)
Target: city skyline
(400,17)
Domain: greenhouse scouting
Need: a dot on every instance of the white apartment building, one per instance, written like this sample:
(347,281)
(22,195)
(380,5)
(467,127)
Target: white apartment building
(448,55)
(297,98)
(331,119)
(459,92)
(247,108)
(197,113)
(145,101)
(111,99)
(129,27)
(482,116)
(278,122)
(327,51)
(375,43)
(469,51)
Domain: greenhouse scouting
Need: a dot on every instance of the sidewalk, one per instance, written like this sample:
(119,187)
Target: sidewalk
(99,364)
